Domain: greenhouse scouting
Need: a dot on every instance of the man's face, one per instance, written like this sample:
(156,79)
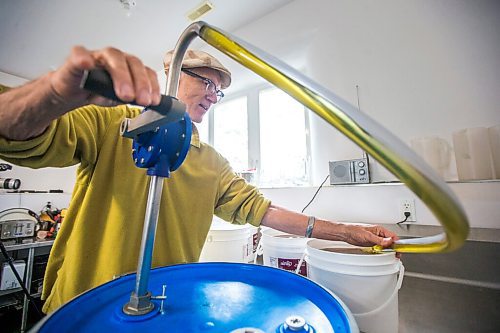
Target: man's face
(193,92)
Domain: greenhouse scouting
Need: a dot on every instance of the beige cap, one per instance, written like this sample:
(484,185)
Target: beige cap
(197,59)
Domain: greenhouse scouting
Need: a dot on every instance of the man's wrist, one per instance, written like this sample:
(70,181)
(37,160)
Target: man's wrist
(310,226)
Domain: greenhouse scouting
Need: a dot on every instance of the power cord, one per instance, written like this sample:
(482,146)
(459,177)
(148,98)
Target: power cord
(315,194)
(407,215)
(26,292)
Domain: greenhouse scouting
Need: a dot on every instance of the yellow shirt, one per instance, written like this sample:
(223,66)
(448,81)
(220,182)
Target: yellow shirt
(101,234)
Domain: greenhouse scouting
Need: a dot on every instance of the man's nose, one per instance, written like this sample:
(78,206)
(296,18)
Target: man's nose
(212,97)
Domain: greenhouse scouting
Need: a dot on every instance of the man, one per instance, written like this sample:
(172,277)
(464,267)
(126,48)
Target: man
(52,122)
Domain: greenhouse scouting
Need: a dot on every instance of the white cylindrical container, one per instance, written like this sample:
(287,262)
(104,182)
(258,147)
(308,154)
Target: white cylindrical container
(226,242)
(282,250)
(473,154)
(494,133)
(367,283)
(435,151)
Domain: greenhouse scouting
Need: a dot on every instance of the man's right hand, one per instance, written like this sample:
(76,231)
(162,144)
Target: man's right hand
(26,111)
(132,80)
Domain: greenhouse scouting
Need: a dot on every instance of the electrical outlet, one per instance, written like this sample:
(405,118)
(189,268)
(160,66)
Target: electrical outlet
(407,206)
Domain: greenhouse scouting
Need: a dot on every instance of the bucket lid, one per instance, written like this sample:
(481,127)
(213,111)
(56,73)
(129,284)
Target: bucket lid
(282,239)
(323,249)
(220,224)
(228,227)
(218,297)
(221,230)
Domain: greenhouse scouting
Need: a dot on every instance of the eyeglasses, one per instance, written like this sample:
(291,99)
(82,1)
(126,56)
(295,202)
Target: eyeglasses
(211,88)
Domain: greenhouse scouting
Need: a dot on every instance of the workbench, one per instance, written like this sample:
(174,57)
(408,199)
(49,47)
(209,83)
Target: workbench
(31,247)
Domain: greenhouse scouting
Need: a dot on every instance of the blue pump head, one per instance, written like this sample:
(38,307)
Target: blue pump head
(164,149)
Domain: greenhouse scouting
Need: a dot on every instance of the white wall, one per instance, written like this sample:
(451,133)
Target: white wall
(42,179)
(33,201)
(423,67)
(380,203)
(32,179)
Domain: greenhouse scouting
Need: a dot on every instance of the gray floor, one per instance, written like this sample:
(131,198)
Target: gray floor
(454,292)
(433,306)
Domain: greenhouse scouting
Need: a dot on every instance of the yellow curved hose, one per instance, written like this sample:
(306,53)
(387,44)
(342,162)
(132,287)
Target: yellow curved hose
(367,134)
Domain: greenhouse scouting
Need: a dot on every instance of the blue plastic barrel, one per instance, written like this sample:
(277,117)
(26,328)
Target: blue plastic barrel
(208,297)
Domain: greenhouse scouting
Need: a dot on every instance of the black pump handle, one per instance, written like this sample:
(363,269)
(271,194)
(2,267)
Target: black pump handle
(99,81)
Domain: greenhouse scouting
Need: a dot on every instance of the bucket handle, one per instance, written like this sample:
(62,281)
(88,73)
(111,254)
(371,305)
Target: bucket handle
(394,293)
(259,251)
(299,265)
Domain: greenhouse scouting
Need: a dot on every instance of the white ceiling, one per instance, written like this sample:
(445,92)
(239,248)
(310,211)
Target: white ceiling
(38,35)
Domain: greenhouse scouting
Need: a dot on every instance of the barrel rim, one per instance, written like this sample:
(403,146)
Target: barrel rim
(311,292)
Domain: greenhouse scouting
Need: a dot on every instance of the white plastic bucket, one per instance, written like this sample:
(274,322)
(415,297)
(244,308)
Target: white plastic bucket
(282,250)
(226,242)
(367,283)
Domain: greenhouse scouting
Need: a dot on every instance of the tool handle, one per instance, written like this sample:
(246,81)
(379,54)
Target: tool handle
(99,81)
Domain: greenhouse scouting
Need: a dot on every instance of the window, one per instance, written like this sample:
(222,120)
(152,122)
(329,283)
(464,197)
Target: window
(283,140)
(203,129)
(271,137)
(230,134)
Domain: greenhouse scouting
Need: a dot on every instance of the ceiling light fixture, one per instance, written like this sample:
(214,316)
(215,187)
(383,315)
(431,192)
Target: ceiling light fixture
(200,10)
(128,4)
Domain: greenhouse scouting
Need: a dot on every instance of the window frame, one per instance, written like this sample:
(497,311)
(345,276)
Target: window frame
(253,122)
